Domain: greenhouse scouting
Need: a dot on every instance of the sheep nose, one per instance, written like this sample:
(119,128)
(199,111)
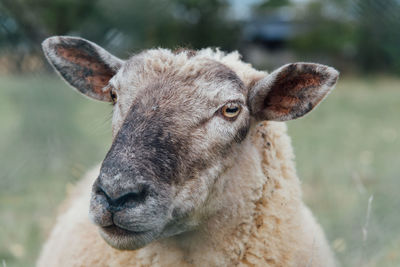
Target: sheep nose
(121,199)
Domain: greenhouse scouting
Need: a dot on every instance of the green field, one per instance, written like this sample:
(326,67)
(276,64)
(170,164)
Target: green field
(347,150)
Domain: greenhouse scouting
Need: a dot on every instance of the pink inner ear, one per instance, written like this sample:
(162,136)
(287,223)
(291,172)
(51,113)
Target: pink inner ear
(289,93)
(95,73)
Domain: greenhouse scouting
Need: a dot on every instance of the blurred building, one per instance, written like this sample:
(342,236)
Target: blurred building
(266,37)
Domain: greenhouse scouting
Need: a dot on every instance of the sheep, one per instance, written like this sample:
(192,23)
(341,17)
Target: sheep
(200,171)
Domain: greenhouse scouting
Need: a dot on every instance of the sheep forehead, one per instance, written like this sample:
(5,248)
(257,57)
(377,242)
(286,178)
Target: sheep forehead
(189,77)
(162,94)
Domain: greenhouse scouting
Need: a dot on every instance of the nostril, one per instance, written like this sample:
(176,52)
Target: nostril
(121,201)
(132,198)
(100,192)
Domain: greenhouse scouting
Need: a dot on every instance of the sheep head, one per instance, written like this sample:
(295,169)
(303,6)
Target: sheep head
(179,121)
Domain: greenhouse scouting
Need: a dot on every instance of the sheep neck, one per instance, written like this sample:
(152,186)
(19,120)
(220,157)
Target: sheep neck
(256,189)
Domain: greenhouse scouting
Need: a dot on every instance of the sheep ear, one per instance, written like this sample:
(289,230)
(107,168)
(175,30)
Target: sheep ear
(291,91)
(83,64)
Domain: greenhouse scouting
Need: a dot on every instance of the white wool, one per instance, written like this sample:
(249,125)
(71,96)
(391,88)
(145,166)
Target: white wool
(274,227)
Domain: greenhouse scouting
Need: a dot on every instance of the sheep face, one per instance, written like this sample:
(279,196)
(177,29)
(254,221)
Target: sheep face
(179,122)
(173,136)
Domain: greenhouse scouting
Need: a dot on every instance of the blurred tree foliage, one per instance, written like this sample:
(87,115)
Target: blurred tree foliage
(121,24)
(173,23)
(366,32)
(378,34)
(360,33)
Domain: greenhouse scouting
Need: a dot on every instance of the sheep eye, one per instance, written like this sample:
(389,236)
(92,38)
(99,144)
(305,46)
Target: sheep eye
(113,96)
(231,110)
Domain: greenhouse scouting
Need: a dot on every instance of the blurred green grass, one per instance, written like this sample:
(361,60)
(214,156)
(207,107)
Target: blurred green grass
(49,136)
(346,151)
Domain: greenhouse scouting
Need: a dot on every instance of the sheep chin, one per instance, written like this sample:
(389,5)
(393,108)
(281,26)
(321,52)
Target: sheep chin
(121,239)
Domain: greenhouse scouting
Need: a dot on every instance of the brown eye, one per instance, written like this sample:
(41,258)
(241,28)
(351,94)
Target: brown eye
(113,96)
(231,110)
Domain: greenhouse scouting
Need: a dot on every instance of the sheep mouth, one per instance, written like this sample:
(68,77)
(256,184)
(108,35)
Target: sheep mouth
(123,239)
(116,230)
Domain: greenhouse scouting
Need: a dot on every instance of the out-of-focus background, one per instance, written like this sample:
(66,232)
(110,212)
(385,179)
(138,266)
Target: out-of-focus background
(348,150)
